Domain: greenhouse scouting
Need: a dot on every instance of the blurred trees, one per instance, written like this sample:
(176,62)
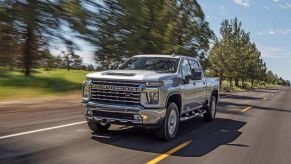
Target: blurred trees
(122,28)
(235,58)
(32,24)
(119,29)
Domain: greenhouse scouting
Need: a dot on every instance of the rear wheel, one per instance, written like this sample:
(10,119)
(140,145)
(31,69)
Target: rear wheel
(211,110)
(97,126)
(170,126)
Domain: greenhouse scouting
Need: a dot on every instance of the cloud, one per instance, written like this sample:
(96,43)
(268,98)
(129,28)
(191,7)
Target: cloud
(286,6)
(273,52)
(244,3)
(272,31)
(270,52)
(275,0)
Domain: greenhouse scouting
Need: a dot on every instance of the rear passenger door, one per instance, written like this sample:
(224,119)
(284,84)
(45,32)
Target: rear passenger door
(199,95)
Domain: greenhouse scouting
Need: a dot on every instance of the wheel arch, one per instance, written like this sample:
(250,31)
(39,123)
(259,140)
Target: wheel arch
(176,98)
(214,92)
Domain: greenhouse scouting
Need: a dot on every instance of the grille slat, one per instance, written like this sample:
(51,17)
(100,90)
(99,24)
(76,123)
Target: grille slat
(126,97)
(114,97)
(117,83)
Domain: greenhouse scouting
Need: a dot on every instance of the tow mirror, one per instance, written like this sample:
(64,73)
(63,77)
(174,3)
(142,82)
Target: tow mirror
(114,67)
(196,74)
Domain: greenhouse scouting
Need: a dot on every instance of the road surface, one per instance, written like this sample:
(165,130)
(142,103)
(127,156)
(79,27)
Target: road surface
(251,127)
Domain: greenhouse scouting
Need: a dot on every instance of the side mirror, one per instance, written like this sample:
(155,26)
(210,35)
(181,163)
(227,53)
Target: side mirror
(187,79)
(114,67)
(196,74)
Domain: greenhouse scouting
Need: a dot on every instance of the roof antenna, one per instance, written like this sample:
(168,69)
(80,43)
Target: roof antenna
(173,54)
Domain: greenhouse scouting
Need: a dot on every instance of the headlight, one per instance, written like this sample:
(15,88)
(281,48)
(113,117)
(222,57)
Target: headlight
(154,84)
(153,97)
(86,89)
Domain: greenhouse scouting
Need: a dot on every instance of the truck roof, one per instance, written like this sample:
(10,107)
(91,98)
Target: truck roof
(160,55)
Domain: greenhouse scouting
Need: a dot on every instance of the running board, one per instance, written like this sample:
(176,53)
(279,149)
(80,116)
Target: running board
(190,115)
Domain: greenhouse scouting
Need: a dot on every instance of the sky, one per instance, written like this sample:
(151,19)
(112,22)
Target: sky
(268,21)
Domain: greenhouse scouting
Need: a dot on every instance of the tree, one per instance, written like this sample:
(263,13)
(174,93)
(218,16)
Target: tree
(71,60)
(9,44)
(77,62)
(47,60)
(122,28)
(59,63)
(235,57)
(35,23)
(90,67)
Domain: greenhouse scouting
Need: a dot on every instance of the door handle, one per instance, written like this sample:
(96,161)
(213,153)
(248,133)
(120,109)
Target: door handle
(194,83)
(204,83)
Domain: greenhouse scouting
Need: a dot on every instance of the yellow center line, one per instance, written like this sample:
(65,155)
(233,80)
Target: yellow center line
(244,110)
(170,152)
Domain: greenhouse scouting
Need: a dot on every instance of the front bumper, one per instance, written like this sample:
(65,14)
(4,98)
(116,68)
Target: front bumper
(110,114)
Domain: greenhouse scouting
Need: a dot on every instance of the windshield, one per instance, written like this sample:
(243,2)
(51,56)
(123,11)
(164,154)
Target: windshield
(158,64)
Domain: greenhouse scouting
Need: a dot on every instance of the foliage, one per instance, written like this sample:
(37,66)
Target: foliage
(122,28)
(31,25)
(235,58)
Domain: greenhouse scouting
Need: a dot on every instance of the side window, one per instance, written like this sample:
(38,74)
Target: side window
(186,70)
(194,64)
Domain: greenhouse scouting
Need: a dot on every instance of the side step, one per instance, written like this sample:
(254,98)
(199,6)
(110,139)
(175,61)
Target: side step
(190,115)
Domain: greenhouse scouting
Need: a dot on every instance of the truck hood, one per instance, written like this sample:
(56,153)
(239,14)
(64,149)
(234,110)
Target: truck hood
(138,75)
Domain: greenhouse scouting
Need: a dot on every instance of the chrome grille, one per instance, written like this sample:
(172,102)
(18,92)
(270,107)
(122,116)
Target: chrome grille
(115,92)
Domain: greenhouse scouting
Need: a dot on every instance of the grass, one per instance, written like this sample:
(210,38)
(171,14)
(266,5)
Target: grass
(246,87)
(42,83)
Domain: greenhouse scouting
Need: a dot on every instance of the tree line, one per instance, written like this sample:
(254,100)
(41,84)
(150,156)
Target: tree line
(234,57)
(119,29)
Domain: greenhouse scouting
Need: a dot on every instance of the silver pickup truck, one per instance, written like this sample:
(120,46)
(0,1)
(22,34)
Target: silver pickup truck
(152,91)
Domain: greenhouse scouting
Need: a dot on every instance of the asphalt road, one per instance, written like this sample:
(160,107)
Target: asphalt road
(251,127)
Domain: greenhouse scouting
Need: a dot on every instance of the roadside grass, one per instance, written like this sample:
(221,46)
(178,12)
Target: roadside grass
(60,82)
(13,85)
(225,87)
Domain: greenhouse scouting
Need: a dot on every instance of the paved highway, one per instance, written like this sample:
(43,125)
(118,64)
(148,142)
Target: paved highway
(251,127)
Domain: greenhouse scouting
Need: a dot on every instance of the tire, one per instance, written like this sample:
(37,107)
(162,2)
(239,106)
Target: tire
(211,110)
(98,127)
(170,125)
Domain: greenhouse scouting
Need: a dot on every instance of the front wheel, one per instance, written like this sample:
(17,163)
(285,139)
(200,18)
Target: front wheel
(97,126)
(211,110)
(170,126)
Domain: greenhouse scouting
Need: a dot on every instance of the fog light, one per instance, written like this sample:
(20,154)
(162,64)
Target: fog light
(153,97)
(89,112)
(144,117)
(136,117)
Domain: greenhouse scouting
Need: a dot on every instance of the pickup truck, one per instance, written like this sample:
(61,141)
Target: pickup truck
(152,91)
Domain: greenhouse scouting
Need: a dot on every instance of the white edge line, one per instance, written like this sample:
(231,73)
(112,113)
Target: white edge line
(41,130)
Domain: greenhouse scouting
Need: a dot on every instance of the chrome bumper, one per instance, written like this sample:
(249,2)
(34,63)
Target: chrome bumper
(143,116)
